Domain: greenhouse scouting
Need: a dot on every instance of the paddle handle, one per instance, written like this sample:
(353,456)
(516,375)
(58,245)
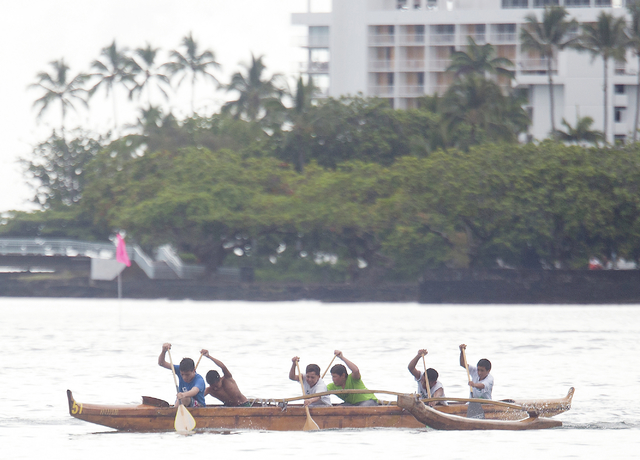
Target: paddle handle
(300,377)
(328,367)
(201,355)
(426,377)
(466,366)
(173,371)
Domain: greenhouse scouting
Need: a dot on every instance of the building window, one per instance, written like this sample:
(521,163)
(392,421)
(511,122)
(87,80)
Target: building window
(509,4)
(444,29)
(401,4)
(545,3)
(619,139)
(503,33)
(619,114)
(603,3)
(577,3)
(619,89)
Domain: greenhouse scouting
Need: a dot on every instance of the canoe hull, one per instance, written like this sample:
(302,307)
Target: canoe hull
(441,421)
(157,415)
(273,418)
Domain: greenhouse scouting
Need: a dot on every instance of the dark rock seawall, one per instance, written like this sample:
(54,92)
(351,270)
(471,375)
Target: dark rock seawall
(435,287)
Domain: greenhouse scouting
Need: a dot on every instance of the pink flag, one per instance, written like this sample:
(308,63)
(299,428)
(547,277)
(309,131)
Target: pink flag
(121,252)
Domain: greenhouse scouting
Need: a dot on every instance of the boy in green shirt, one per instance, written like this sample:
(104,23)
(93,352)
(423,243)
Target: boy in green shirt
(353,381)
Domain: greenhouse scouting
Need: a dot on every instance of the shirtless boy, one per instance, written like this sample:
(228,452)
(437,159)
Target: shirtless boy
(224,388)
(436,388)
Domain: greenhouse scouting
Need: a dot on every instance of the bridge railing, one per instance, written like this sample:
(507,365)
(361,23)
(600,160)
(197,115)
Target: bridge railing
(167,254)
(168,266)
(56,247)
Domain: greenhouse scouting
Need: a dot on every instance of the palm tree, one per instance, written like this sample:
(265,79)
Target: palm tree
(605,38)
(547,38)
(478,103)
(114,68)
(581,133)
(633,32)
(57,87)
(255,91)
(147,71)
(479,59)
(193,64)
(299,117)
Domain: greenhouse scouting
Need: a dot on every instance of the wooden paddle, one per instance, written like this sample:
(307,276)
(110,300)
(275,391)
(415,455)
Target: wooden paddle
(309,425)
(466,366)
(184,420)
(329,366)
(426,377)
(201,355)
(474,410)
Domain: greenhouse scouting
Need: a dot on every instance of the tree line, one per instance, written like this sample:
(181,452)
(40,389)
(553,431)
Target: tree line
(332,189)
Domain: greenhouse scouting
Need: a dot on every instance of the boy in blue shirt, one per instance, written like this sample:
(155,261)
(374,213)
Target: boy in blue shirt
(190,385)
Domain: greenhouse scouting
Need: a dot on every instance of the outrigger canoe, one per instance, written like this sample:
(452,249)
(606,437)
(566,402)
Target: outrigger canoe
(441,421)
(278,415)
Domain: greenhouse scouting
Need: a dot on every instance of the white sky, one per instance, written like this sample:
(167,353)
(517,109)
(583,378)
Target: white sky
(36,32)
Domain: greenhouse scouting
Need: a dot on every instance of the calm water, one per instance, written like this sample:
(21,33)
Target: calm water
(106,352)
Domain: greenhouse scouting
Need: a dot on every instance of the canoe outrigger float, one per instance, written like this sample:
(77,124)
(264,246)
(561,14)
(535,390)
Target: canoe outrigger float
(442,421)
(278,415)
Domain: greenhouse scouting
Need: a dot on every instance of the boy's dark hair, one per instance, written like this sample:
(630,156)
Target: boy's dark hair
(213,377)
(339,369)
(485,363)
(187,365)
(313,368)
(432,374)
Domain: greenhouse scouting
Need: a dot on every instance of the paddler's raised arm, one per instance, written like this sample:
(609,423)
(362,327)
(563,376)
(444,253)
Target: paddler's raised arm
(161,359)
(218,363)
(412,364)
(292,371)
(355,372)
(462,347)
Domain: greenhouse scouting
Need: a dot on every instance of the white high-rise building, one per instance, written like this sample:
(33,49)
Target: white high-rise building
(399,49)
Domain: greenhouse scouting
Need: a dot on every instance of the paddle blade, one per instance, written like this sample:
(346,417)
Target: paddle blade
(184,420)
(310,424)
(475,410)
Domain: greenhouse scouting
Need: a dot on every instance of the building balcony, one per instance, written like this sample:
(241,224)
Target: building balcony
(621,127)
(381,65)
(620,100)
(510,38)
(412,39)
(438,65)
(480,39)
(536,65)
(621,68)
(411,91)
(440,89)
(381,91)
(382,40)
(408,65)
(314,67)
(442,39)
(307,41)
